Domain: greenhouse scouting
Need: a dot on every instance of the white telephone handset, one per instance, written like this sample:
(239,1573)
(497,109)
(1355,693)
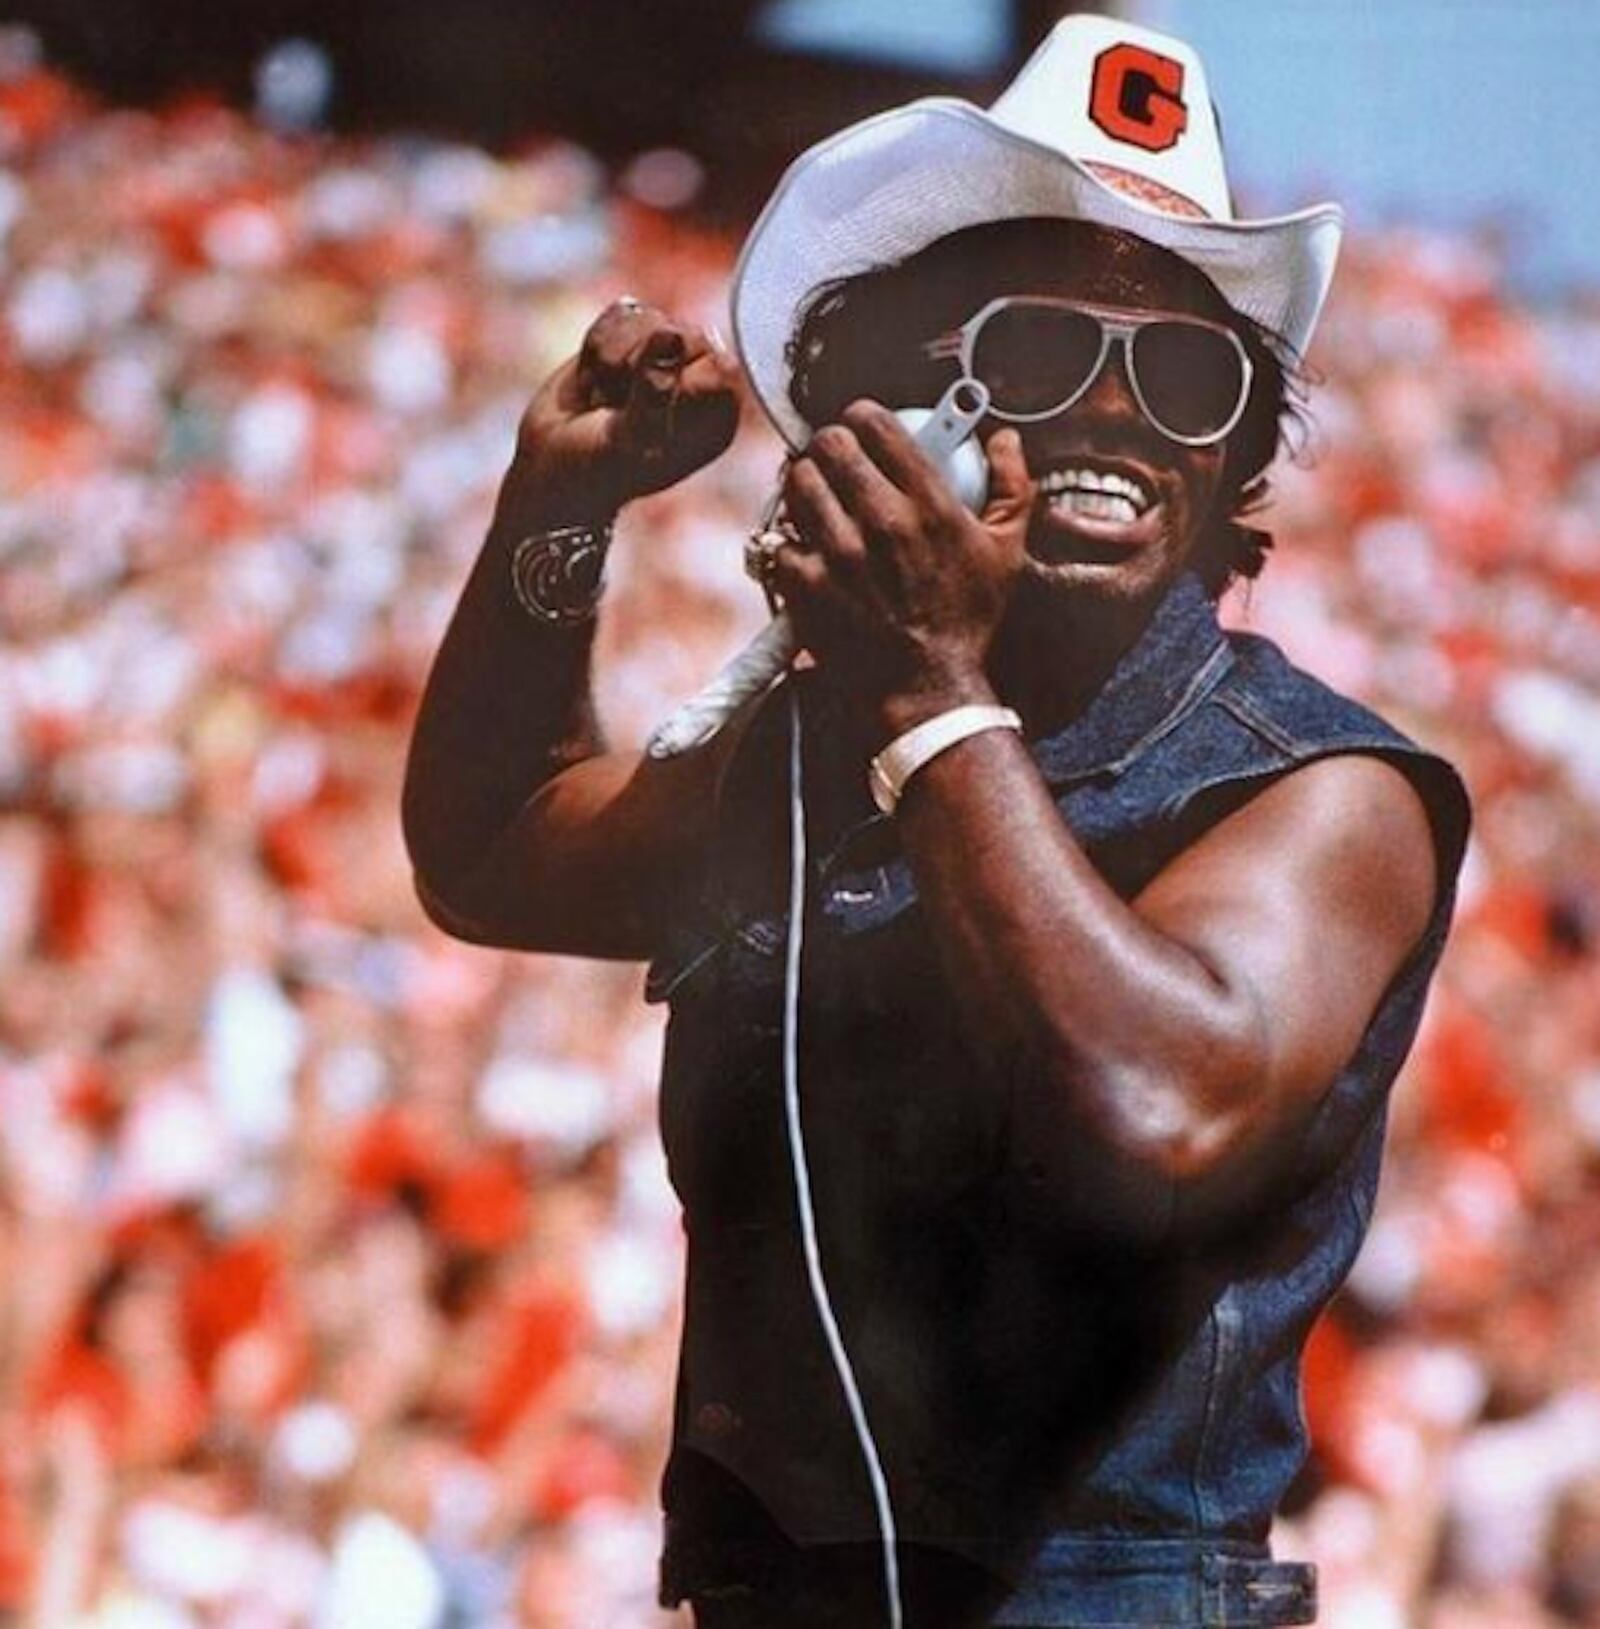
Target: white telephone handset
(944,433)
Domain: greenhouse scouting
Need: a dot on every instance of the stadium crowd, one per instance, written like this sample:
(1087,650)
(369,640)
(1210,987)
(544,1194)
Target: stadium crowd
(340,1264)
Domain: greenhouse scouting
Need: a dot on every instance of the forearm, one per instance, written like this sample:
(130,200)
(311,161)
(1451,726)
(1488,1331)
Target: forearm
(507,705)
(1129,1058)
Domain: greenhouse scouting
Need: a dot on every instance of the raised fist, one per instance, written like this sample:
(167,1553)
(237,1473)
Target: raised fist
(646,401)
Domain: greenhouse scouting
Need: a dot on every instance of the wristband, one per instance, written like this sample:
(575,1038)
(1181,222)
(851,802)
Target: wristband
(889,771)
(559,575)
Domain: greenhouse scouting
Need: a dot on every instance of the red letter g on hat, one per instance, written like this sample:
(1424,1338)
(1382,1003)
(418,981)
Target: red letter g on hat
(1137,96)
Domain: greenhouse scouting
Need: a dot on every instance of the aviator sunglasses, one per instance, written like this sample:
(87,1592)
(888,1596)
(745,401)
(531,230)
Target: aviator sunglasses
(1038,356)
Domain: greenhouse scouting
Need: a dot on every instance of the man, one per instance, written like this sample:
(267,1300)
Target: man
(1094,1013)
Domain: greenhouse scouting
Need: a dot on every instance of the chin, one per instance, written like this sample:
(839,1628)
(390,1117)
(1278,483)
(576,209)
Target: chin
(1125,582)
(1076,547)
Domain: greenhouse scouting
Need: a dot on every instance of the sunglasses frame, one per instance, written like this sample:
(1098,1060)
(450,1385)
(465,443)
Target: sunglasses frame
(1115,325)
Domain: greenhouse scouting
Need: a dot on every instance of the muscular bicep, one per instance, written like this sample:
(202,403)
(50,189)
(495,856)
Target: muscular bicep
(1302,905)
(594,863)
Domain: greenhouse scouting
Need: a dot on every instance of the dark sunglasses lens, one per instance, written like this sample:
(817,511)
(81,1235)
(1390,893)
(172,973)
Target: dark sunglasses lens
(1192,378)
(1033,357)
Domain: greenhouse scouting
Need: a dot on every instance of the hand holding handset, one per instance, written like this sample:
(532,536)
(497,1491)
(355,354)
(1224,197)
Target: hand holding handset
(945,435)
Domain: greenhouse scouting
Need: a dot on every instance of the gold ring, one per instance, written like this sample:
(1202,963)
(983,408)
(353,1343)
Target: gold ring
(761,551)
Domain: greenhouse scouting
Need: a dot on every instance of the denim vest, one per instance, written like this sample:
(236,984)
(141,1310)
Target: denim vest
(1109,1433)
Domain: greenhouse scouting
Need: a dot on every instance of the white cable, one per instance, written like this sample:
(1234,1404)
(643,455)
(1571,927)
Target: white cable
(802,1174)
(765,659)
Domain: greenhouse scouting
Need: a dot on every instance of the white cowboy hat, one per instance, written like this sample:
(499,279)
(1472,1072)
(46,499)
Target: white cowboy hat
(1107,122)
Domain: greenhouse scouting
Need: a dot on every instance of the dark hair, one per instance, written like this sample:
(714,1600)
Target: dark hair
(850,329)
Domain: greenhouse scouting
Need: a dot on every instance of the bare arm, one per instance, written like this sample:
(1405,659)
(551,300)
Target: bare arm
(522,828)
(1163,1054)
(1166,1053)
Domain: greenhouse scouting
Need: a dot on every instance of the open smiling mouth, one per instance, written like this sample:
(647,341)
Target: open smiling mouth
(1091,514)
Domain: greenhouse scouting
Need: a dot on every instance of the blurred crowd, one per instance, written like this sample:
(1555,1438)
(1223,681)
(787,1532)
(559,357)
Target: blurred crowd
(341,1266)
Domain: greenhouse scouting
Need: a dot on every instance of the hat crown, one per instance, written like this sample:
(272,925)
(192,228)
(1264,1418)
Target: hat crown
(1129,104)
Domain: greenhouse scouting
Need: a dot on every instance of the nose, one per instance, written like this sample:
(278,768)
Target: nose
(1107,412)
(1110,392)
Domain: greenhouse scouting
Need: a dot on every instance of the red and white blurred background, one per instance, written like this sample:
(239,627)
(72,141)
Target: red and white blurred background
(340,1266)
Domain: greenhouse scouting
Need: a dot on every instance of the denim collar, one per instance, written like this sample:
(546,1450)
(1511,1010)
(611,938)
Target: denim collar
(1167,671)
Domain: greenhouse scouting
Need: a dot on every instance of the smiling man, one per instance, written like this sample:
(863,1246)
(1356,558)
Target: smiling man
(1024,1127)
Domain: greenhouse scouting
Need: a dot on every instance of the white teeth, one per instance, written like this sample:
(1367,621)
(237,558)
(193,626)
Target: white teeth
(1112,506)
(1124,496)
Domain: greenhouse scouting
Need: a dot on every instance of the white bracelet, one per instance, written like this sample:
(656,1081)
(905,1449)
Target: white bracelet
(888,773)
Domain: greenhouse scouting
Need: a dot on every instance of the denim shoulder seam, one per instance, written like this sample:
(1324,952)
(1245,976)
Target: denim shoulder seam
(1235,700)
(1200,689)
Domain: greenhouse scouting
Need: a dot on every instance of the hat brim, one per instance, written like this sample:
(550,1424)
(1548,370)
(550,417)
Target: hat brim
(891,185)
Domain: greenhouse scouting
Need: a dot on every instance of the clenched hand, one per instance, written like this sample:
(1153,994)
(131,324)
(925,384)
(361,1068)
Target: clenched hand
(646,401)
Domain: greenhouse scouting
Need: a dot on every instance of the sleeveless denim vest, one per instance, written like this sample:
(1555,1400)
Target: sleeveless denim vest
(1108,1432)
